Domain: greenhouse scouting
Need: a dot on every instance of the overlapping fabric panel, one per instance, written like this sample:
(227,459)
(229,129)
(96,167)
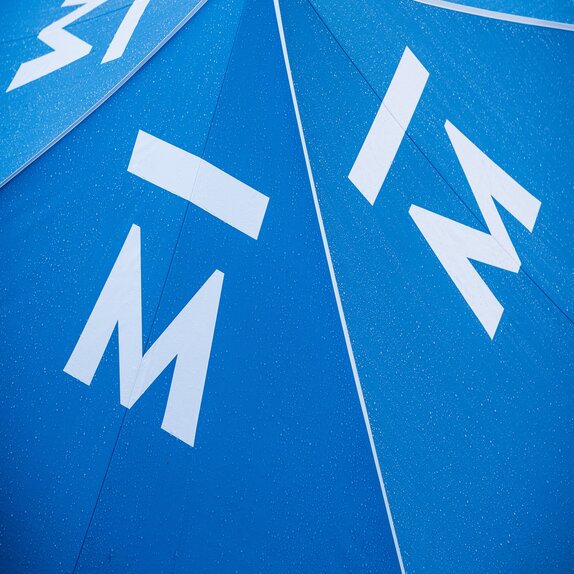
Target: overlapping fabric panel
(281,477)
(58,60)
(192,176)
(505,85)
(63,223)
(472,417)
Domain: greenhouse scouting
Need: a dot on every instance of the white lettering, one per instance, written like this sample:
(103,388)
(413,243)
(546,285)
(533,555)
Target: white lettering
(68,48)
(188,339)
(455,244)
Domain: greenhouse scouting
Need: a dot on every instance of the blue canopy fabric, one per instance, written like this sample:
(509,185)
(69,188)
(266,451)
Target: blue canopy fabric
(473,433)
(287,287)
(99,45)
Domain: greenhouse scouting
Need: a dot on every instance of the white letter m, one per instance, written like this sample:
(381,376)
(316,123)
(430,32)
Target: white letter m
(188,339)
(455,244)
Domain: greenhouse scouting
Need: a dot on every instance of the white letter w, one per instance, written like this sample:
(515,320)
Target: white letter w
(455,244)
(188,337)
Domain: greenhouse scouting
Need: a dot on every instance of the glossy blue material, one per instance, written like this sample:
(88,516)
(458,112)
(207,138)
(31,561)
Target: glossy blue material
(282,477)
(474,436)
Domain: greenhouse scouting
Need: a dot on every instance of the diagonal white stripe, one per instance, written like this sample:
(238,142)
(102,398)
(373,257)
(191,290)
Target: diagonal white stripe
(389,126)
(124,33)
(493,15)
(335,286)
(199,182)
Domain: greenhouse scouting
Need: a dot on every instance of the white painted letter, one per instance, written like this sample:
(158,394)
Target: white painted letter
(188,339)
(66,47)
(199,182)
(454,243)
(389,126)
